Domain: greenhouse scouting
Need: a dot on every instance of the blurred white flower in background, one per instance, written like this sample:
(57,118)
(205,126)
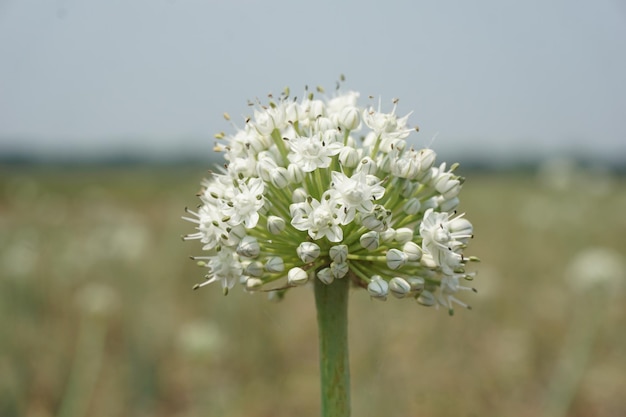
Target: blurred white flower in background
(597,267)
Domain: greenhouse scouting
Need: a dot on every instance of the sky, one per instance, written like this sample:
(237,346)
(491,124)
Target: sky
(487,78)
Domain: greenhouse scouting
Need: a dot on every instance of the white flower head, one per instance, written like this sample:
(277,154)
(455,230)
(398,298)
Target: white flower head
(328,189)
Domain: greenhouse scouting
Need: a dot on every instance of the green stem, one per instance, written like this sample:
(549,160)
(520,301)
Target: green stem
(331,302)
(85,368)
(577,351)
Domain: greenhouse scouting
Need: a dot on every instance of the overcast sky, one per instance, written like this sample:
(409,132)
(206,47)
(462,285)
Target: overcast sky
(495,77)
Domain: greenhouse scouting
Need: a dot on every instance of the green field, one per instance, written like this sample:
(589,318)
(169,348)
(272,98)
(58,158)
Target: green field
(98,317)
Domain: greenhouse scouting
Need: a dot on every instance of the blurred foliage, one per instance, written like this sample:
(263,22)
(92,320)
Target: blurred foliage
(97,315)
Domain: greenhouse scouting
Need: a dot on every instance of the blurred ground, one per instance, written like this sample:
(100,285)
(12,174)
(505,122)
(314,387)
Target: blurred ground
(97,316)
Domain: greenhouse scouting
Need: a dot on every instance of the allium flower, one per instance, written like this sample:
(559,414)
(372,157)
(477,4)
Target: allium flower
(323,189)
(310,153)
(356,193)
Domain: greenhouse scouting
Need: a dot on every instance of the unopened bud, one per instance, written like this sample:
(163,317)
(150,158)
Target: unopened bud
(404,234)
(412,251)
(388,235)
(378,288)
(338,253)
(417,283)
(349,157)
(349,118)
(308,252)
(399,287)
(448,205)
(412,206)
(295,174)
(339,270)
(299,195)
(249,247)
(297,276)
(426,298)
(369,240)
(367,165)
(274,264)
(253,284)
(280,177)
(396,259)
(275,225)
(325,276)
(254,269)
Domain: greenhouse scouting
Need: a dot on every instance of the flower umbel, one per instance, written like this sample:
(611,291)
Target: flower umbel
(324,189)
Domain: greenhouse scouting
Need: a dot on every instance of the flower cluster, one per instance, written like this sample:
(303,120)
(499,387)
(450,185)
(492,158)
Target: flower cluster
(324,189)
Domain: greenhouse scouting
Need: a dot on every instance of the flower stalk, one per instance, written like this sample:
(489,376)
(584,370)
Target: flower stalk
(331,302)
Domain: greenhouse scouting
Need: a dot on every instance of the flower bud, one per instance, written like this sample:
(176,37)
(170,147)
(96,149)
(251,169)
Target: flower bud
(292,112)
(295,174)
(299,195)
(416,283)
(396,259)
(412,206)
(325,276)
(461,228)
(425,159)
(385,164)
(369,240)
(349,157)
(378,288)
(280,177)
(426,298)
(297,276)
(430,203)
(253,284)
(448,205)
(349,118)
(388,235)
(308,252)
(316,109)
(368,166)
(249,247)
(338,253)
(240,167)
(236,234)
(412,251)
(378,220)
(404,234)
(268,120)
(275,225)
(448,185)
(324,124)
(408,189)
(274,264)
(339,270)
(254,269)
(265,166)
(399,287)
(427,261)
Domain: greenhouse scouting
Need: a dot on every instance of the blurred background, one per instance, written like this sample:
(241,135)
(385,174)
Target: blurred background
(107,117)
